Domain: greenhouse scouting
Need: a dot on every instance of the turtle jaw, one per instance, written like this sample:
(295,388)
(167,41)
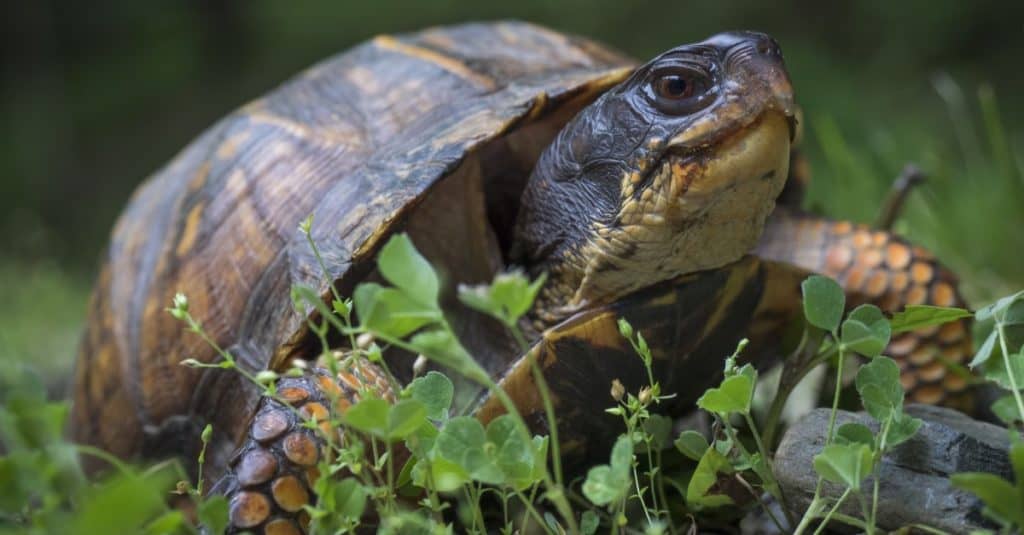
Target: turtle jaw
(701,209)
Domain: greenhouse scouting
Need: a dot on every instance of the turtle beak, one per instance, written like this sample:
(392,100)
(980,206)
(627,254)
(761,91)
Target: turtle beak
(756,59)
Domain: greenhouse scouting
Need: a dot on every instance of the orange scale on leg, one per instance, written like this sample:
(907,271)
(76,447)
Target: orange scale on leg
(943,294)
(842,227)
(899,281)
(837,258)
(928,394)
(877,283)
(862,239)
(916,295)
(954,382)
(922,355)
(871,258)
(921,272)
(932,372)
(879,238)
(951,332)
(855,278)
(897,255)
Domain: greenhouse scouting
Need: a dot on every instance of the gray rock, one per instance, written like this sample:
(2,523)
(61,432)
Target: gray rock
(915,487)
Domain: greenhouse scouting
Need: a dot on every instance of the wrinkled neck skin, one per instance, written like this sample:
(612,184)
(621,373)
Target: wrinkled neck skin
(604,216)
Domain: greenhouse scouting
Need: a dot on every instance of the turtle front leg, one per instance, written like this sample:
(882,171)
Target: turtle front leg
(878,267)
(271,477)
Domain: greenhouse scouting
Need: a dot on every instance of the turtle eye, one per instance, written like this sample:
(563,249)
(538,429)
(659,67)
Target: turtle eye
(674,86)
(679,90)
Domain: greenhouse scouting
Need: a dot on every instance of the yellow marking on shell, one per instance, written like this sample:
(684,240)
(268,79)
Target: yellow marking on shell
(229,147)
(733,287)
(257,114)
(537,107)
(191,230)
(446,63)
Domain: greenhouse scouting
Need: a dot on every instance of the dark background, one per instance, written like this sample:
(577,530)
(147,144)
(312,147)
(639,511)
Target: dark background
(97,95)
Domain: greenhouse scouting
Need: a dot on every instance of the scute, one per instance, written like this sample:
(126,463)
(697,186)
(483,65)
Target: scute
(358,141)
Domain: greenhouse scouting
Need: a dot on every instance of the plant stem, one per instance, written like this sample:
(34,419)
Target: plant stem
(549,406)
(835,397)
(828,516)
(528,503)
(810,514)
(1014,387)
(768,473)
(639,494)
(869,527)
(883,435)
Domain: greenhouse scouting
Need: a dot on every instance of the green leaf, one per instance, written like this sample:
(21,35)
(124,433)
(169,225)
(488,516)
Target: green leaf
(213,514)
(1001,497)
(349,498)
(658,428)
(996,370)
(462,441)
(173,522)
(734,395)
(435,391)
(847,464)
(390,311)
(878,383)
(692,444)
(986,350)
(1005,408)
(507,298)
(854,433)
(705,476)
(514,457)
(902,429)
(404,418)
(914,317)
(137,500)
(1006,310)
(824,301)
(589,522)
(439,345)
(607,483)
(866,331)
(404,267)
(446,476)
(370,415)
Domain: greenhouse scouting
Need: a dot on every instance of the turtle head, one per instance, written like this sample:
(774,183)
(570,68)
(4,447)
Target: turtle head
(672,171)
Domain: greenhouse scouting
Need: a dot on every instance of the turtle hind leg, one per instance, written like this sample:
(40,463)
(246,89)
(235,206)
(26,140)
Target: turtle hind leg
(272,475)
(880,268)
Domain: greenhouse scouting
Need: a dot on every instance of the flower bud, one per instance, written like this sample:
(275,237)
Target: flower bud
(617,390)
(266,377)
(364,340)
(420,365)
(645,395)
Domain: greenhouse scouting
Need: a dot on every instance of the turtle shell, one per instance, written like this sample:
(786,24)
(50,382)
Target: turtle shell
(359,141)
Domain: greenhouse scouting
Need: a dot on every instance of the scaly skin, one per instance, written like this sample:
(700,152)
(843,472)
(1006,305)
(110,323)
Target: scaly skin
(271,477)
(883,269)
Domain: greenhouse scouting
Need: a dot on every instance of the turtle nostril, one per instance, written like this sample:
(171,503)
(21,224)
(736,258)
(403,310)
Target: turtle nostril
(766,46)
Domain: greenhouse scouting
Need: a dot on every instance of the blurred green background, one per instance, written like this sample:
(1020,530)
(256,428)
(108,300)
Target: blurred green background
(97,95)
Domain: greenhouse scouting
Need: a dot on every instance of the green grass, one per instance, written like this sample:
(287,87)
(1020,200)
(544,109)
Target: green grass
(969,210)
(41,319)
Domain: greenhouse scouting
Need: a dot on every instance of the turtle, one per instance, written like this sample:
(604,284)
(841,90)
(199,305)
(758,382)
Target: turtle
(644,191)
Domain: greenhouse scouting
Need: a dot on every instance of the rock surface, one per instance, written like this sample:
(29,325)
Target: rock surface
(915,487)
